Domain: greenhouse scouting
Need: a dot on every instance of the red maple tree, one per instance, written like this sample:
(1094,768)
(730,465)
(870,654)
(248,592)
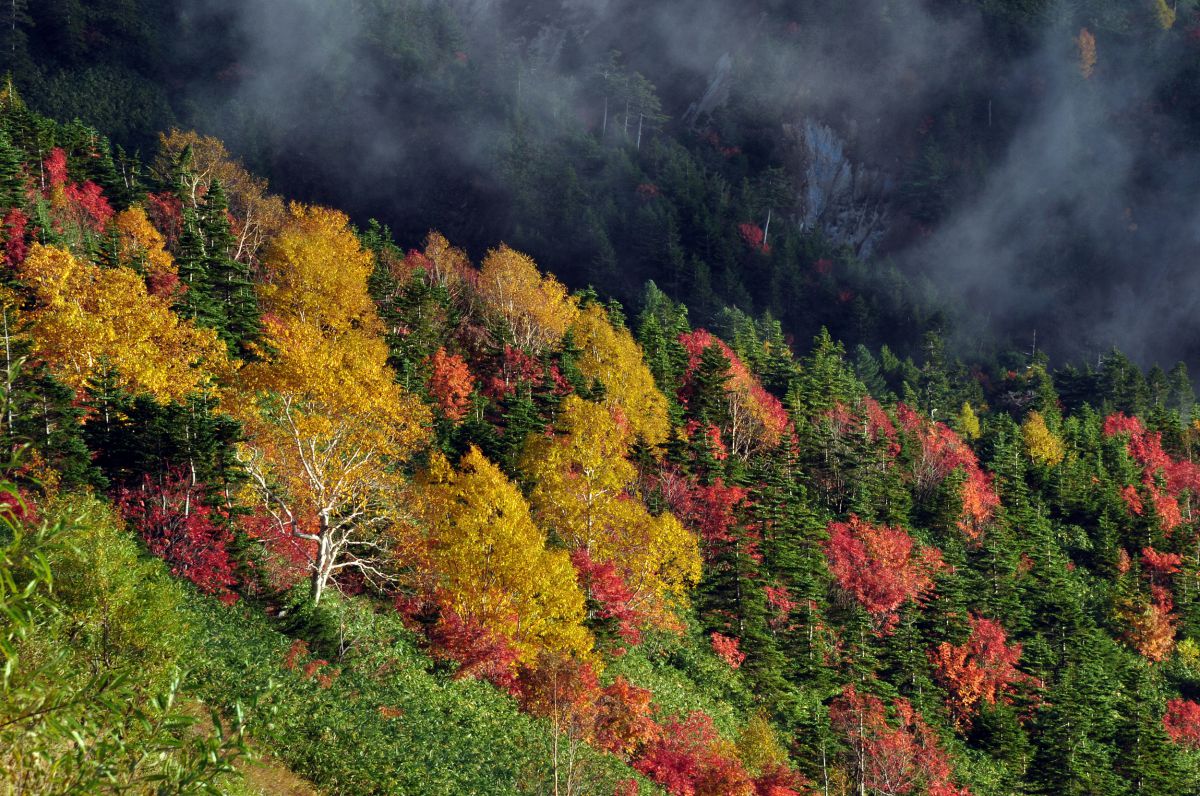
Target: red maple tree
(898,757)
(177,524)
(881,567)
(1182,722)
(690,759)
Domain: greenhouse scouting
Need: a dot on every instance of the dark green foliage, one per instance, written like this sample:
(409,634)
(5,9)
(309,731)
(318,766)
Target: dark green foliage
(220,293)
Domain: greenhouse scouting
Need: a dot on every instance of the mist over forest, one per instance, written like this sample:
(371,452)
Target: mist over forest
(991,190)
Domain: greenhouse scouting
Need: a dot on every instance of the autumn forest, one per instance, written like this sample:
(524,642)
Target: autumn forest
(456,397)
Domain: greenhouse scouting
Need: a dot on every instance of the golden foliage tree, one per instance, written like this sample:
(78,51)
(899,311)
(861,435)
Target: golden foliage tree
(259,214)
(86,319)
(612,356)
(968,422)
(583,493)
(326,423)
(492,562)
(1164,14)
(142,247)
(1042,444)
(537,309)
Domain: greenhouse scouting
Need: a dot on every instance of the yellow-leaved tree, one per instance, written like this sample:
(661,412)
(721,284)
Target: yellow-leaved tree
(1042,444)
(614,357)
(967,423)
(537,309)
(326,423)
(142,247)
(491,560)
(583,492)
(86,319)
(259,214)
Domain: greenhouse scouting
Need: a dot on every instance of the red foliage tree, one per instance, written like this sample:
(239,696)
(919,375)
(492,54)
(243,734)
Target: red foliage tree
(781,604)
(1133,501)
(178,526)
(728,650)
(940,453)
(16,244)
(753,235)
(450,384)
(166,213)
(901,759)
(1182,722)
(981,670)
(879,566)
(55,166)
(779,781)
(514,368)
(478,652)
(1165,480)
(716,445)
(756,418)
(709,510)
(613,599)
(1120,423)
(287,557)
(690,759)
(1160,565)
(89,205)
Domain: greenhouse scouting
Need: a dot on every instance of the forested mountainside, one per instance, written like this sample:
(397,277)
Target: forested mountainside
(813,471)
(407,523)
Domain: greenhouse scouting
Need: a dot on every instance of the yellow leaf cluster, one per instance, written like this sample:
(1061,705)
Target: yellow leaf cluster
(612,356)
(316,272)
(1164,14)
(759,747)
(447,265)
(342,378)
(968,422)
(1042,444)
(142,247)
(85,318)
(583,494)
(537,309)
(492,561)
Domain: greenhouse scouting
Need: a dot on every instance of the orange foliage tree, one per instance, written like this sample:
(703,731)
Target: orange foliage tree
(450,384)
(981,670)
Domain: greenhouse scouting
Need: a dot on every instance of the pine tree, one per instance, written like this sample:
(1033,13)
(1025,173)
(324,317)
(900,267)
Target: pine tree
(1181,396)
(12,180)
(240,320)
